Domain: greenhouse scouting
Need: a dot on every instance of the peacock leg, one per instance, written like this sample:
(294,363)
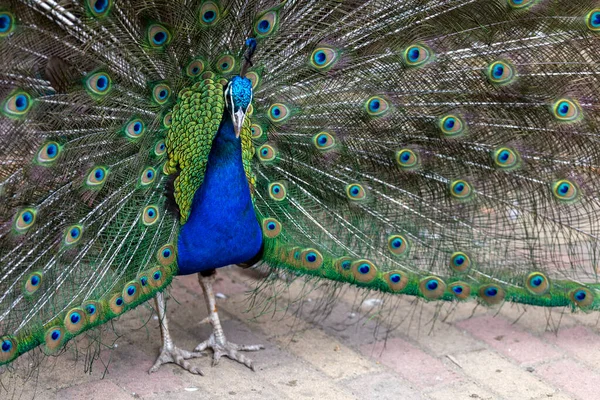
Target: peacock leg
(217,341)
(169,353)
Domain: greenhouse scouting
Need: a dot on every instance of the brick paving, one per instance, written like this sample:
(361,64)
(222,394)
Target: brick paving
(319,347)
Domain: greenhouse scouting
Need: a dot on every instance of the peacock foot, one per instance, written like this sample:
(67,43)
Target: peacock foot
(177,356)
(221,347)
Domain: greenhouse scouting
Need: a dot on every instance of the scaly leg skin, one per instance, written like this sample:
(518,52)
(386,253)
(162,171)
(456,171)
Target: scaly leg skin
(217,341)
(169,353)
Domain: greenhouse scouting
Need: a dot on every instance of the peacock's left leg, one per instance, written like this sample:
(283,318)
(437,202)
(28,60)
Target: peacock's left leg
(169,353)
(217,341)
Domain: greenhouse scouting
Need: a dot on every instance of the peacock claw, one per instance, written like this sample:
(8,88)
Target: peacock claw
(177,356)
(228,349)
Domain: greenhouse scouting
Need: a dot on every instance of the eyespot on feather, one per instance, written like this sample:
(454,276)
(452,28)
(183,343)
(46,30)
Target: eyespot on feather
(266,153)
(344,265)
(416,55)
(363,270)
(160,148)
(24,219)
(432,287)
(254,78)
(356,192)
(582,297)
(131,292)
(277,191)
(377,106)
(99,8)
(452,125)
(116,304)
(98,84)
(566,110)
(271,227)
(324,141)
(520,4)
(8,348)
(460,290)
(17,104)
(226,64)
(7,23)
(311,259)
(166,255)
(72,235)
(161,93)
(158,36)
(500,73)
(134,129)
(150,215)
(461,189)
(48,153)
(460,262)
(407,159)
(157,277)
(491,294)
(537,283)
(96,177)
(323,58)
(93,311)
(592,20)
(266,23)
(398,245)
(565,190)
(75,320)
(257,131)
(32,283)
(278,113)
(147,177)
(396,280)
(506,158)
(209,13)
(54,338)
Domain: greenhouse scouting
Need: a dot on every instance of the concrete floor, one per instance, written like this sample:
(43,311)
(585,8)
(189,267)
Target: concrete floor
(320,347)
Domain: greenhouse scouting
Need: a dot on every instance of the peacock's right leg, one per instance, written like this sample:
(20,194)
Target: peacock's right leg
(169,353)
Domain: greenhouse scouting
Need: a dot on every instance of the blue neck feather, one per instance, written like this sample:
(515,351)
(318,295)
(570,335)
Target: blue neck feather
(222,228)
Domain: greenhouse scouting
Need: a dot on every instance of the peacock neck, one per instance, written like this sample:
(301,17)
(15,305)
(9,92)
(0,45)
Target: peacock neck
(222,228)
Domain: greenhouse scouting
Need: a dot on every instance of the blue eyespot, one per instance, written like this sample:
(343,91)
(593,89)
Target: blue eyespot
(395,278)
(271,226)
(320,57)
(413,54)
(75,233)
(35,280)
(264,26)
(346,264)
(396,243)
(563,108)
(151,212)
(27,217)
(498,71)
(449,123)
(166,253)
(5,22)
(276,112)
(51,150)
(364,269)
(6,344)
(131,290)
(119,301)
(157,275)
(580,295)
(311,257)
(503,156)
(374,105)
(432,284)
(594,20)
(491,291)
(459,260)
(150,174)
(536,281)
(143,281)
(209,16)
(564,188)
(55,335)
(90,309)
(21,102)
(75,318)
(100,6)
(159,38)
(457,289)
(99,174)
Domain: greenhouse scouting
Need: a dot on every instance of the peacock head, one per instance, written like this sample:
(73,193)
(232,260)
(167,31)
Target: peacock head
(238,97)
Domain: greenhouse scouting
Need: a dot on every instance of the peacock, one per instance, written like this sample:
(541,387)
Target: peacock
(444,149)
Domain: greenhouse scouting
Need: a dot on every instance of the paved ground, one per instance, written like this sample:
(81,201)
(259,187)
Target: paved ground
(434,351)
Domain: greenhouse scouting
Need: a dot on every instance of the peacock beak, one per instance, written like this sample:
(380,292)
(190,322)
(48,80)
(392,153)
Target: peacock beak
(238,121)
